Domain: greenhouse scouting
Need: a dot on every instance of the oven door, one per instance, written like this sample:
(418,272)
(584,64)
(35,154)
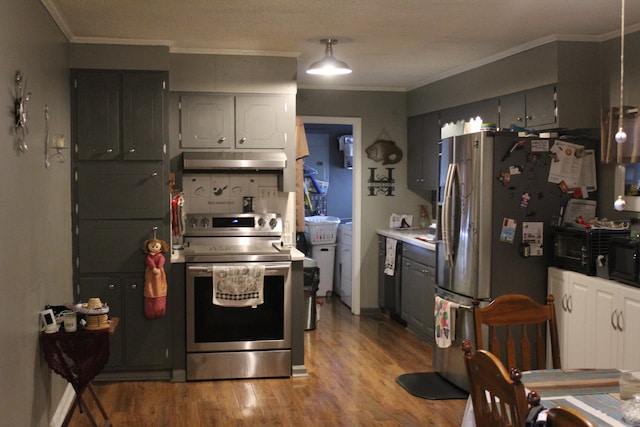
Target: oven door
(212,328)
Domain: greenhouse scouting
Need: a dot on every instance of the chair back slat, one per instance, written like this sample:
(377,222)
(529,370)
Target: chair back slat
(516,326)
(498,397)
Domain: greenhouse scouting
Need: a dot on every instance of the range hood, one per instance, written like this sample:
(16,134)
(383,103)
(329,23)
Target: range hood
(236,160)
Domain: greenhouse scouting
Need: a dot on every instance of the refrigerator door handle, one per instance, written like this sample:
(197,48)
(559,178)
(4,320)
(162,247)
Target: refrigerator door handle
(446,215)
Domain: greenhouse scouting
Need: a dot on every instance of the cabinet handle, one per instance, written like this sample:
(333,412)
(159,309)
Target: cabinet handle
(529,117)
(109,150)
(154,174)
(134,286)
(132,150)
(519,119)
(221,140)
(111,286)
(613,323)
(570,304)
(620,321)
(564,302)
(243,140)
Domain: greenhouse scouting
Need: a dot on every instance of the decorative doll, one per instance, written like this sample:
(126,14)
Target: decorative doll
(155,279)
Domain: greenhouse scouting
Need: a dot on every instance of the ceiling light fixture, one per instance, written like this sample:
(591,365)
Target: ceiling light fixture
(329,66)
(621,135)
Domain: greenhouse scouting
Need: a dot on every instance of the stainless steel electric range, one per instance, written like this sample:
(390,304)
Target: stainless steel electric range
(225,342)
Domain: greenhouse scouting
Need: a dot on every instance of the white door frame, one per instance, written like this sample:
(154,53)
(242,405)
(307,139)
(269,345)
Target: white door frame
(356,123)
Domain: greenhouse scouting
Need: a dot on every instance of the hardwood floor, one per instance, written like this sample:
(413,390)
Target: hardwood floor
(352,363)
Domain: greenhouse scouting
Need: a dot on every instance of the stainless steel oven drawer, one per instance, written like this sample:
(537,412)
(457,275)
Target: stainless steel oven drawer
(239,364)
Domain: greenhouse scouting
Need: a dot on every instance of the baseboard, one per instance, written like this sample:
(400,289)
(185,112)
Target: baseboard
(63,407)
(299,371)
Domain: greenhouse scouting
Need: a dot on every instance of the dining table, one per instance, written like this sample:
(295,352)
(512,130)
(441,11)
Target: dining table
(593,392)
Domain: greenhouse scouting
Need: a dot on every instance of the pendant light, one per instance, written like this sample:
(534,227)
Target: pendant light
(621,135)
(329,66)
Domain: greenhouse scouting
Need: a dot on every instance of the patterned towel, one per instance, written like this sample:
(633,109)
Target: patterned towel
(390,257)
(238,285)
(445,320)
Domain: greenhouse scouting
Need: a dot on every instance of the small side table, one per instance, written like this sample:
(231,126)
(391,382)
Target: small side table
(78,357)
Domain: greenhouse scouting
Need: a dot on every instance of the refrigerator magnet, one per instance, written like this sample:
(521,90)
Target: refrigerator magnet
(524,200)
(504,178)
(508,231)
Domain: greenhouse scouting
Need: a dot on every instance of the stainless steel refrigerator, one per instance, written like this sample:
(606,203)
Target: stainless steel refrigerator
(489,182)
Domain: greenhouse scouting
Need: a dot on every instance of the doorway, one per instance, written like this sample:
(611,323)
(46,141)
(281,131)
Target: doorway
(327,125)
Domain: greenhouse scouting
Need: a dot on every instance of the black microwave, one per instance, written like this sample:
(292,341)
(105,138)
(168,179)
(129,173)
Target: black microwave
(624,260)
(578,249)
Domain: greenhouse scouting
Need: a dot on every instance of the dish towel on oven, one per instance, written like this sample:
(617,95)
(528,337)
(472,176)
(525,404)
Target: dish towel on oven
(238,285)
(445,318)
(390,257)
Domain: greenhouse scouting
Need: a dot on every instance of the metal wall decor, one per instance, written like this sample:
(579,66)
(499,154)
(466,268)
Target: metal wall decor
(381,185)
(384,150)
(20,111)
(57,143)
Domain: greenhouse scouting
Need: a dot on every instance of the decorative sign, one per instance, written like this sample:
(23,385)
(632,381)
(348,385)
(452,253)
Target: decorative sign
(384,150)
(381,184)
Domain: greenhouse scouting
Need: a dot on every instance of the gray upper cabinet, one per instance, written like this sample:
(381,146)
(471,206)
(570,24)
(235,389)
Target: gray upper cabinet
(207,121)
(235,122)
(119,114)
(529,109)
(143,98)
(261,121)
(423,134)
(98,99)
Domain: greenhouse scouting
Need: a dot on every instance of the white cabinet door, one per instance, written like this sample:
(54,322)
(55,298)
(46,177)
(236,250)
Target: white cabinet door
(629,342)
(605,337)
(578,341)
(558,284)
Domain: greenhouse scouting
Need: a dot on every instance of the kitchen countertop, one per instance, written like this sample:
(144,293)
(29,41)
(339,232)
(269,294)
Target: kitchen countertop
(409,235)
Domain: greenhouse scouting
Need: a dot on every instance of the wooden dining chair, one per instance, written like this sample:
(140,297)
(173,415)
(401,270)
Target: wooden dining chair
(517,326)
(562,416)
(498,397)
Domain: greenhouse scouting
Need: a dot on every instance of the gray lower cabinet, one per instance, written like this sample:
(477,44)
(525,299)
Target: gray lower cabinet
(137,343)
(418,290)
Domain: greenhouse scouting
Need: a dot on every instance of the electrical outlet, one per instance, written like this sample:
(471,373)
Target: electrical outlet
(268,192)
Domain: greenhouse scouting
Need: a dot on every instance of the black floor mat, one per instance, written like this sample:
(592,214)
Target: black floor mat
(430,385)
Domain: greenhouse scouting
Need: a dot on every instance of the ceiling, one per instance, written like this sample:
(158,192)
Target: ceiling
(390,44)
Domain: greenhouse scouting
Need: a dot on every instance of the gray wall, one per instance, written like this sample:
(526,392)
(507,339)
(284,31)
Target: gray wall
(378,111)
(35,222)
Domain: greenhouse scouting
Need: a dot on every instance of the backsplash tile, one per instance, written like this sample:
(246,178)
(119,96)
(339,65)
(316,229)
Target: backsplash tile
(224,193)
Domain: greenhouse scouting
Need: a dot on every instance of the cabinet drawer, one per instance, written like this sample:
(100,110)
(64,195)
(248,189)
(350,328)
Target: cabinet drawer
(418,254)
(115,245)
(120,190)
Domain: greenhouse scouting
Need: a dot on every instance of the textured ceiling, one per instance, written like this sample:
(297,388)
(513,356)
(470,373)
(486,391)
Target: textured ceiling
(389,44)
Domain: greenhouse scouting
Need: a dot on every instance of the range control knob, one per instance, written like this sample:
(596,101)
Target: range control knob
(193,222)
(273,222)
(261,222)
(204,222)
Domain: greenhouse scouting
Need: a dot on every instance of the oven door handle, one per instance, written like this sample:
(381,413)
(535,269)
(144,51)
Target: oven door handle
(268,267)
